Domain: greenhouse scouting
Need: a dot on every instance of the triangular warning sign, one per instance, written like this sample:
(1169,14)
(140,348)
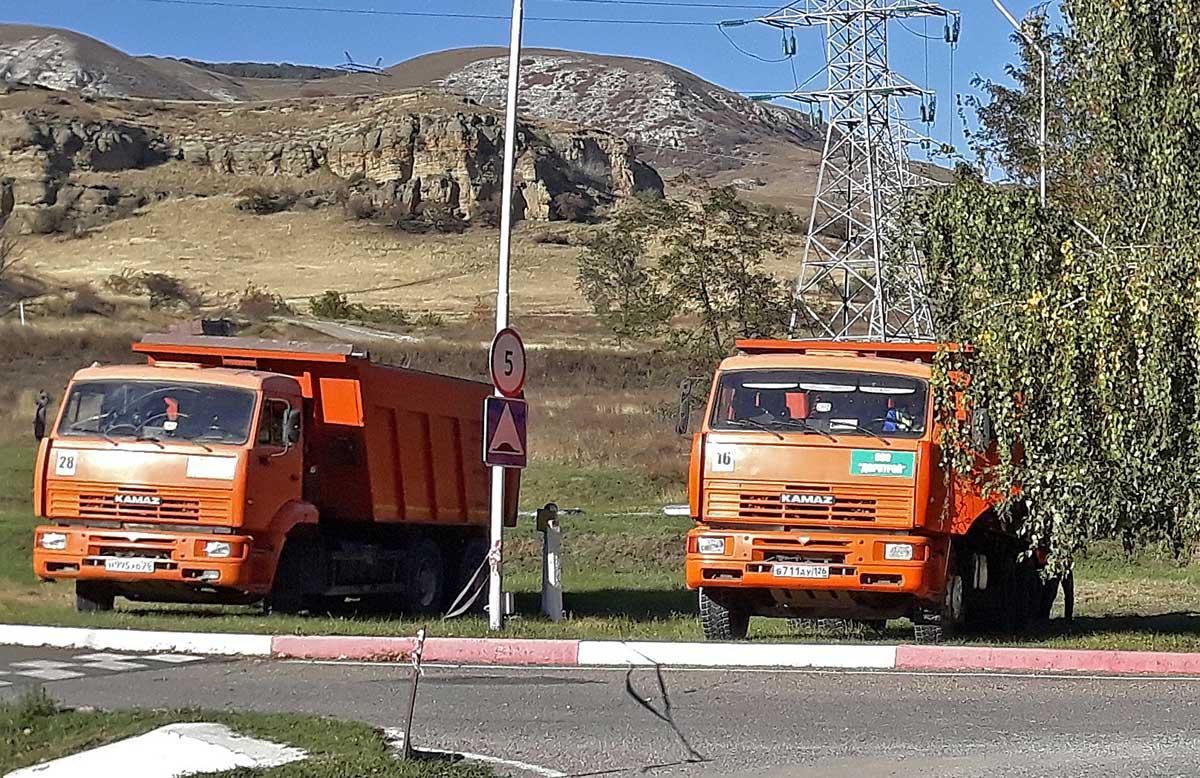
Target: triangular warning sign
(507,439)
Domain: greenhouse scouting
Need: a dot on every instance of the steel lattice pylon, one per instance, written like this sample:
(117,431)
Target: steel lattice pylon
(854,284)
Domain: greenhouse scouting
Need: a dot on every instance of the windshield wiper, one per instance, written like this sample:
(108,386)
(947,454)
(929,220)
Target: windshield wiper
(149,439)
(757,425)
(807,427)
(858,428)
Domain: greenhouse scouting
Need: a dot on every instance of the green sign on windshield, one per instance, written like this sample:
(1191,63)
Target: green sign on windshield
(895,464)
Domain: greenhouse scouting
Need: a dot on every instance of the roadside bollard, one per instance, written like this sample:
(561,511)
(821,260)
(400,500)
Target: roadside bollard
(547,524)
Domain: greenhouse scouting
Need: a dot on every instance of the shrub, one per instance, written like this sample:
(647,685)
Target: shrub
(360,208)
(571,207)
(126,282)
(330,305)
(166,291)
(257,304)
(86,301)
(261,201)
(429,320)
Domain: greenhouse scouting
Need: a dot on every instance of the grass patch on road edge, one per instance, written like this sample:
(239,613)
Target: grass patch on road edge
(34,729)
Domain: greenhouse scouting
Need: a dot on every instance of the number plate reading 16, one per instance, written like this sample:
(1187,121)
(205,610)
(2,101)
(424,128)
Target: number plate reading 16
(129,565)
(801,571)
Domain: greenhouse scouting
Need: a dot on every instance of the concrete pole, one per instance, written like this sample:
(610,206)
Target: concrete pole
(495,578)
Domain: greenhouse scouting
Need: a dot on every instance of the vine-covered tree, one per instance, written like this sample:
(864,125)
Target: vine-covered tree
(1085,316)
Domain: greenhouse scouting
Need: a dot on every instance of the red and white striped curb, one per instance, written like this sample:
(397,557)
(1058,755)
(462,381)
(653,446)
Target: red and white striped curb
(613,653)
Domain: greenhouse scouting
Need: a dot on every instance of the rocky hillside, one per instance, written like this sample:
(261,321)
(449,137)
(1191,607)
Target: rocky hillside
(681,123)
(68,160)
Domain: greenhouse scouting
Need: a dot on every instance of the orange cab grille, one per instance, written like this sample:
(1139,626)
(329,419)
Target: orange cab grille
(100,501)
(765,502)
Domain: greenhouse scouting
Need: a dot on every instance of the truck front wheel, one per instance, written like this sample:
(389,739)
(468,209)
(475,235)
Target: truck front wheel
(93,597)
(722,620)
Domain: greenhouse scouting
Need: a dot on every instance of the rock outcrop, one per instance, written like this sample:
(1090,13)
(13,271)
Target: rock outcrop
(401,152)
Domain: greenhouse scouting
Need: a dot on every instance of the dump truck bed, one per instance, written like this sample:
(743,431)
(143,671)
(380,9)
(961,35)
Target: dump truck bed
(385,444)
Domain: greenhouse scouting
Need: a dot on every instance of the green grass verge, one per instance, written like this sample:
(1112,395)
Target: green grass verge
(34,729)
(623,574)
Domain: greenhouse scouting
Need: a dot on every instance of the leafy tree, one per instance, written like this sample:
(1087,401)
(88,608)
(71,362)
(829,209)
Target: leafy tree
(1085,316)
(622,286)
(696,267)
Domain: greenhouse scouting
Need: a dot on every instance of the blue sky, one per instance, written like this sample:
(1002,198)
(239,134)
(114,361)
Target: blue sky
(223,34)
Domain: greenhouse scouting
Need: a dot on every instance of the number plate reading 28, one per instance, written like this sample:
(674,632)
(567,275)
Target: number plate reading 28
(801,571)
(129,565)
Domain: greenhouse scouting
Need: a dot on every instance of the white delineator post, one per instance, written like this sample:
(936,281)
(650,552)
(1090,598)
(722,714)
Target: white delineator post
(495,578)
(552,597)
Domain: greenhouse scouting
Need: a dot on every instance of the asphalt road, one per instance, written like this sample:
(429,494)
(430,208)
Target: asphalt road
(776,724)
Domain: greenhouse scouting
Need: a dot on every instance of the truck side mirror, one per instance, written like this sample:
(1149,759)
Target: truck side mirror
(291,427)
(981,429)
(39,416)
(683,414)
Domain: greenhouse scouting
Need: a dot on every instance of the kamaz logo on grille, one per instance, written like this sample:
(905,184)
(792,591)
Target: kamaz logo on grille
(148,500)
(807,499)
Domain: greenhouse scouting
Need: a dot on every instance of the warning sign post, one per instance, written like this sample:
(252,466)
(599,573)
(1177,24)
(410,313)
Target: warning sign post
(504,438)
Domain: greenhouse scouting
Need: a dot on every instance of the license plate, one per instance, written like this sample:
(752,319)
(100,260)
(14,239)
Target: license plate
(801,571)
(129,565)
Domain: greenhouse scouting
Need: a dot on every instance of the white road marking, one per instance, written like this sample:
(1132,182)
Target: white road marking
(395,737)
(106,657)
(174,659)
(112,666)
(41,664)
(50,674)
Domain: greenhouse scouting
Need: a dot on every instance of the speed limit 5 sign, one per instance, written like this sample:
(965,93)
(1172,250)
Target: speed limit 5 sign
(508,362)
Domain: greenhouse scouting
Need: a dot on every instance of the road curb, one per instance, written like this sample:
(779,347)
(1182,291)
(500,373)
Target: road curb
(1046,660)
(615,653)
(480,651)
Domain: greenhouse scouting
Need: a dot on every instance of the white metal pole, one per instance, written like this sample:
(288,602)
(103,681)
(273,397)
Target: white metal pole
(1042,135)
(1042,129)
(21,308)
(495,578)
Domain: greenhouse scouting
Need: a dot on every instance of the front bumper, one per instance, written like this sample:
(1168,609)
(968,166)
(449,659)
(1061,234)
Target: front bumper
(178,558)
(856,562)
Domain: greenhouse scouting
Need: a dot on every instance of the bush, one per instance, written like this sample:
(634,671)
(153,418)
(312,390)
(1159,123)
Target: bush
(330,305)
(86,301)
(334,305)
(127,282)
(571,207)
(257,304)
(360,208)
(167,291)
(429,320)
(262,202)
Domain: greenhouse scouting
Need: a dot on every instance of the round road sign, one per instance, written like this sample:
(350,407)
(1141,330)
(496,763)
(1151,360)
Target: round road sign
(508,362)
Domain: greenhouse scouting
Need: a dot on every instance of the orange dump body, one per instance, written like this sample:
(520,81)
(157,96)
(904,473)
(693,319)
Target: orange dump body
(808,510)
(379,452)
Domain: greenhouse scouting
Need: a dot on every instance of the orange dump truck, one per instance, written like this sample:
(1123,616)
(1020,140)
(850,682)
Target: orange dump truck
(231,470)
(818,491)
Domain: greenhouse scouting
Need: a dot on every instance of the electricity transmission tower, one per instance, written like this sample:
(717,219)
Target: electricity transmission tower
(856,283)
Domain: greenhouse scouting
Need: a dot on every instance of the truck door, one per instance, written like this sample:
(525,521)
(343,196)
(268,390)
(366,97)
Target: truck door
(274,469)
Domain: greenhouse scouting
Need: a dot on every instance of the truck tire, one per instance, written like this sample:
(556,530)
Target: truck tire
(291,589)
(93,597)
(425,578)
(722,621)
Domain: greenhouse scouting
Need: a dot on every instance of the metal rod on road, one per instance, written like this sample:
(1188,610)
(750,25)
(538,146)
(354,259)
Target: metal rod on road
(495,579)
(407,750)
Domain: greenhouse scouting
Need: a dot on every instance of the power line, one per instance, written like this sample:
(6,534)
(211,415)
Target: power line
(668,4)
(421,14)
(750,54)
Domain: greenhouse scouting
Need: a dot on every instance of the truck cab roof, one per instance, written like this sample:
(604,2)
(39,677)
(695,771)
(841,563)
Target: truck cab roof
(908,359)
(184,373)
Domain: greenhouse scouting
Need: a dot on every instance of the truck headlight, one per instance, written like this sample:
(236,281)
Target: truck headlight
(217,548)
(710,545)
(898,552)
(53,541)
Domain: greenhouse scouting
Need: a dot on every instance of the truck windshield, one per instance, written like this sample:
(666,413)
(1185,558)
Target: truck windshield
(157,410)
(821,402)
